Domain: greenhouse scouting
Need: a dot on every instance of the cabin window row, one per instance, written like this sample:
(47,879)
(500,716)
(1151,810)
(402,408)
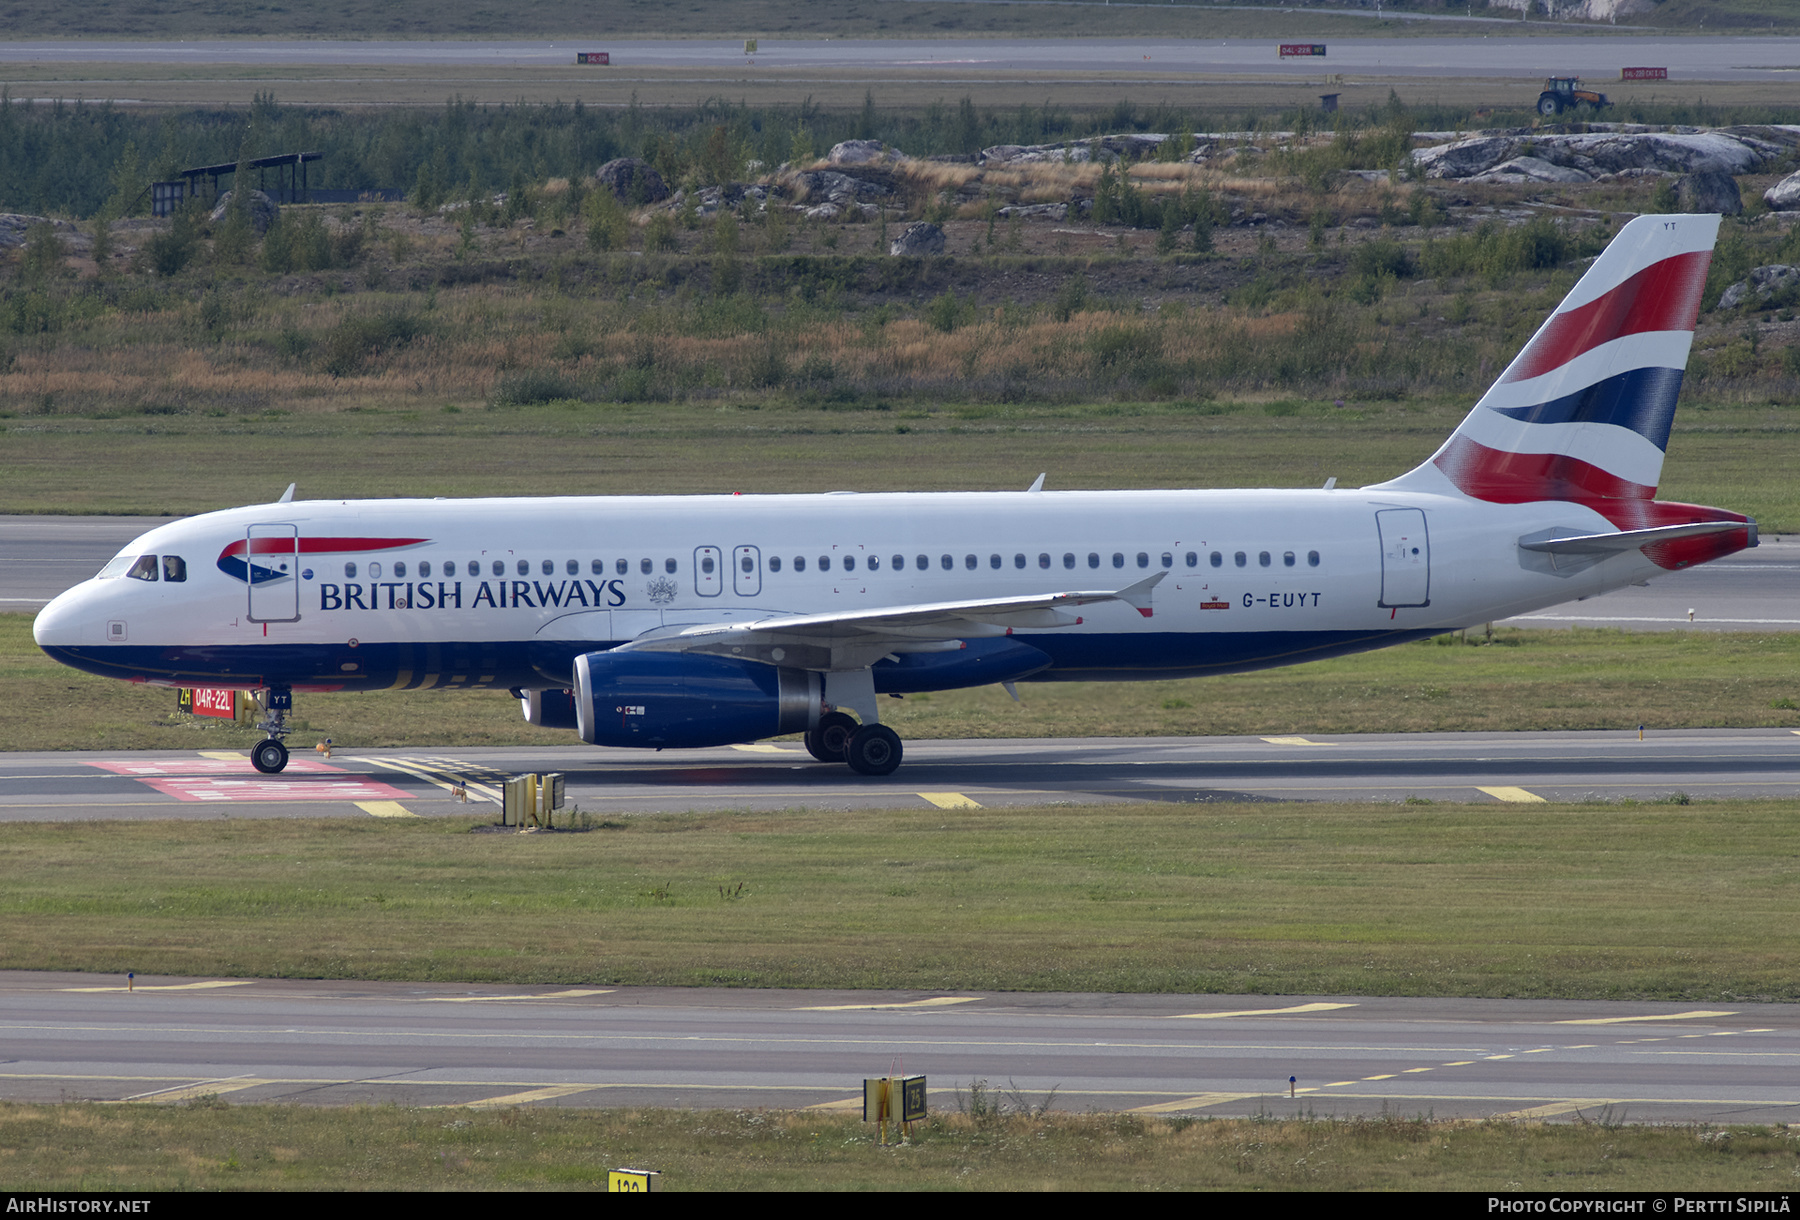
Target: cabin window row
(498,567)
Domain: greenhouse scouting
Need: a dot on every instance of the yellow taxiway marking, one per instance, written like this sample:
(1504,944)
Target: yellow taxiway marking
(934,1002)
(546,1093)
(446,775)
(1258,1012)
(1697,1014)
(1195,1102)
(761,748)
(1558,1107)
(1342,1084)
(1295,741)
(1517,796)
(1459,1063)
(1410,1071)
(204,1089)
(170,986)
(385,809)
(1389,1076)
(950,800)
(225,755)
(497,999)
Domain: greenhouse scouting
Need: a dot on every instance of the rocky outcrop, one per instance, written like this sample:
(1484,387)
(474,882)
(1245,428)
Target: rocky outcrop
(828,186)
(1599,155)
(1530,169)
(1708,191)
(258,207)
(1132,146)
(633,180)
(14,227)
(1764,283)
(862,152)
(1784,196)
(918,240)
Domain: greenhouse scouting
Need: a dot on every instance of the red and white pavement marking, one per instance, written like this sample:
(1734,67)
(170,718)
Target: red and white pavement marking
(204,779)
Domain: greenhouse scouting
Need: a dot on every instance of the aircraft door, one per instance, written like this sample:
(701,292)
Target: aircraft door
(708,580)
(272,563)
(746,571)
(1405,557)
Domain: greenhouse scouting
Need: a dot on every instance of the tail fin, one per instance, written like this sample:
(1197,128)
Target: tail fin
(1583,412)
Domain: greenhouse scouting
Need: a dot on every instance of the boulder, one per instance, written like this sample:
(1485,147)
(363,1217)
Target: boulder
(861,152)
(14,228)
(918,240)
(1709,190)
(1784,196)
(633,180)
(830,186)
(1764,282)
(1465,158)
(1531,169)
(261,210)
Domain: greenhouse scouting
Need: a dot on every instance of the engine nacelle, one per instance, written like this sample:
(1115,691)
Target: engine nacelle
(549,709)
(670,699)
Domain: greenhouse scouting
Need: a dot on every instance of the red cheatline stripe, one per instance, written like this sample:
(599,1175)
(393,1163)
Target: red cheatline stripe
(321,546)
(1521,478)
(1663,296)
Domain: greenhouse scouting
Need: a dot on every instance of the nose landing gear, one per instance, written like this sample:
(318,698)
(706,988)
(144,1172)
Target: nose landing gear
(270,756)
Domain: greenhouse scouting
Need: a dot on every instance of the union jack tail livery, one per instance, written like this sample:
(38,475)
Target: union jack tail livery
(1583,412)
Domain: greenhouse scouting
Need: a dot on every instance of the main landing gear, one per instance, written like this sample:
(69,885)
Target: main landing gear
(869,749)
(270,756)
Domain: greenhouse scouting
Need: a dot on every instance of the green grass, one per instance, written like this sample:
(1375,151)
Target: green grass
(1687,902)
(1544,680)
(211,1147)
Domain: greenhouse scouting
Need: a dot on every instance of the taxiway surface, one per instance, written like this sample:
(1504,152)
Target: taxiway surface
(338,1043)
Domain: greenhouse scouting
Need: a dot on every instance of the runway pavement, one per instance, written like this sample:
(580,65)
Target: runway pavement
(1688,58)
(1501,768)
(69,1036)
(1756,590)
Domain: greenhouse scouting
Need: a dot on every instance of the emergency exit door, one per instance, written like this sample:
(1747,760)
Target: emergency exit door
(1405,557)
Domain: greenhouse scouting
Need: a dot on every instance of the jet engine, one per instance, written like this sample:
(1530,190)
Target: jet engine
(667,699)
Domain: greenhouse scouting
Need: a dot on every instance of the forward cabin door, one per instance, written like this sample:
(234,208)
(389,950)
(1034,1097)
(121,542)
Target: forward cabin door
(272,557)
(1405,557)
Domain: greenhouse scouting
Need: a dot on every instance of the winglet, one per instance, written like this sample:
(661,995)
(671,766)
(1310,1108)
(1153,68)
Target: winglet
(1138,595)
(1037,484)
(288,495)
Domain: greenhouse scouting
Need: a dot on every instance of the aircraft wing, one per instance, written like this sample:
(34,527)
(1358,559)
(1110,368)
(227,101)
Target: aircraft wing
(855,639)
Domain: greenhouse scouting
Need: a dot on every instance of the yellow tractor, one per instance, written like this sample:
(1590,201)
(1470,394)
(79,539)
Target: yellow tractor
(1565,93)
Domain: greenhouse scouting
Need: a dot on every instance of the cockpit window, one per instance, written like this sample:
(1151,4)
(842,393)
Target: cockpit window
(174,567)
(115,567)
(143,568)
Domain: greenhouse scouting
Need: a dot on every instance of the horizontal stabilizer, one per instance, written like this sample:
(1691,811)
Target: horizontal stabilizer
(1626,540)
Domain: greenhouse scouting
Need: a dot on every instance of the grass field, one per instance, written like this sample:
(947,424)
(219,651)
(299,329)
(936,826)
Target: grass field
(211,1147)
(1668,901)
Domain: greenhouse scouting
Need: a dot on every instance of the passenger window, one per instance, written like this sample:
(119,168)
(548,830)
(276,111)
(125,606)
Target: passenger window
(1019,561)
(899,563)
(1217,560)
(524,567)
(969,562)
(824,563)
(400,568)
(747,563)
(849,563)
(1168,560)
(1287,559)
(1240,559)
(1093,559)
(646,567)
(549,567)
(144,568)
(174,568)
(994,562)
(424,568)
(350,571)
(1193,559)
(621,566)
(1143,560)
(499,567)
(923,563)
(1044,560)
(799,563)
(572,568)
(874,563)
(1069,559)
(669,566)
(597,567)
(1312,559)
(946,563)
(774,563)
(706,565)
(1263,558)
(374,571)
(1118,560)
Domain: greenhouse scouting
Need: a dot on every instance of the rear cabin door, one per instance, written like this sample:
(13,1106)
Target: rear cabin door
(273,556)
(1405,557)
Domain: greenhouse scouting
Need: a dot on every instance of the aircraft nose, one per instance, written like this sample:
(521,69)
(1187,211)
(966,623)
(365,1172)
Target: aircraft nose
(60,623)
